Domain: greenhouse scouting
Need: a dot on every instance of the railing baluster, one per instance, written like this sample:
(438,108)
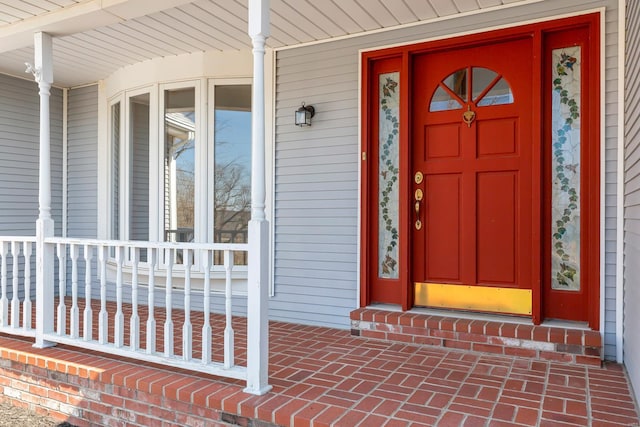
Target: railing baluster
(75,311)
(206,326)
(151,320)
(119,321)
(4,301)
(187,333)
(103,317)
(228,330)
(134,333)
(62,288)
(88,313)
(26,305)
(15,300)
(168,322)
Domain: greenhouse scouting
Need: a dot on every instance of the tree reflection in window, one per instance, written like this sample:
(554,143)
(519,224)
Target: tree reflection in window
(232,170)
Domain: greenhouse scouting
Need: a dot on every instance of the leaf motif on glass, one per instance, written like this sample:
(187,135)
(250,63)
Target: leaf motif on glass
(565,166)
(388,161)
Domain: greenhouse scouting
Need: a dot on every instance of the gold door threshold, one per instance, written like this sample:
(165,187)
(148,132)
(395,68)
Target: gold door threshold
(475,298)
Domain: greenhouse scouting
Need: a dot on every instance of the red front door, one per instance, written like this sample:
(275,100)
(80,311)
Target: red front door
(480,175)
(472,169)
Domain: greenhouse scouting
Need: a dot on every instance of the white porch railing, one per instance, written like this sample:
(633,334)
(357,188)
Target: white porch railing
(18,253)
(144,299)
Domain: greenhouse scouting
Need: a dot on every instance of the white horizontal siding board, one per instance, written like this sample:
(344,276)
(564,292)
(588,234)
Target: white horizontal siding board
(326,305)
(82,180)
(611,178)
(317,178)
(294,173)
(19,144)
(296,67)
(631,346)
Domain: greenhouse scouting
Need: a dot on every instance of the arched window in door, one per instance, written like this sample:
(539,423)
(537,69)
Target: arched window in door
(480,86)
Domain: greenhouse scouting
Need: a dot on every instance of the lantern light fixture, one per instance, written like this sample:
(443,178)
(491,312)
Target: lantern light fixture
(304,115)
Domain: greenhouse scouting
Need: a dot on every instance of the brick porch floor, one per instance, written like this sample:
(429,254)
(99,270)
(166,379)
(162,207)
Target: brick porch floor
(321,377)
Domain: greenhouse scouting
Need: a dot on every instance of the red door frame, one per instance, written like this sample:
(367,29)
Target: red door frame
(579,35)
(399,58)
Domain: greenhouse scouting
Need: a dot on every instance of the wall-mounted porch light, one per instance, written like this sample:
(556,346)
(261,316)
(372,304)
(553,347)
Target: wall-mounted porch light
(304,114)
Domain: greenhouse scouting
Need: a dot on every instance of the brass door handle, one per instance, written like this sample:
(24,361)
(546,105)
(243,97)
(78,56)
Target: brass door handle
(418,196)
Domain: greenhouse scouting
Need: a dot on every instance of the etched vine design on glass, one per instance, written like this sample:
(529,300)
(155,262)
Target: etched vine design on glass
(565,184)
(388,196)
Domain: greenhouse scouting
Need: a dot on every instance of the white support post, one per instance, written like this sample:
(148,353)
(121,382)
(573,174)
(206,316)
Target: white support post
(258,280)
(45,291)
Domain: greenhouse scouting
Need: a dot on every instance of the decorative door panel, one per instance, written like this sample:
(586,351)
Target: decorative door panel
(497,227)
(442,141)
(497,137)
(443,242)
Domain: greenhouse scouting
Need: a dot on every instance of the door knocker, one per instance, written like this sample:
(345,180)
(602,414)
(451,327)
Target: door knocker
(468,116)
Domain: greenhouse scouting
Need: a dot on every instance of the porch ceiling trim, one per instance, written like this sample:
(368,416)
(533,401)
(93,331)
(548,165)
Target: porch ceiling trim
(513,3)
(94,38)
(78,18)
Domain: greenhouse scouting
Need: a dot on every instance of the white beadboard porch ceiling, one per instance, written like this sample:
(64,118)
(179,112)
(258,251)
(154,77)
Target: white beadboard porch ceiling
(94,38)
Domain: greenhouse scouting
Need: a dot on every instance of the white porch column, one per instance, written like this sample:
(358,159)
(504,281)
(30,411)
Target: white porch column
(258,281)
(43,73)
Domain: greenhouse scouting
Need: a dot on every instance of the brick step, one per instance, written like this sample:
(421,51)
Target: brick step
(577,346)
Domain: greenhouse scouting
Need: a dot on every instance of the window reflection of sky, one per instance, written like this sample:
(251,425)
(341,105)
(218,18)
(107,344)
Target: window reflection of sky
(185,161)
(233,138)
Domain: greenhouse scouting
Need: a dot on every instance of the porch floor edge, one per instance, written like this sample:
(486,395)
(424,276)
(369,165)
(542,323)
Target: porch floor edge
(321,377)
(541,342)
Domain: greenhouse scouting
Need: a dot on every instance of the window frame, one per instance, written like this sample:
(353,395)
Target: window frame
(204,90)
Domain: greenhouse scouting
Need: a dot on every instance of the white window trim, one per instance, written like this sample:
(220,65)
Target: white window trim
(119,99)
(200,151)
(210,160)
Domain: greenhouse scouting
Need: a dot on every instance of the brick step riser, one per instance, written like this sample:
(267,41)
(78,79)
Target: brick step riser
(535,342)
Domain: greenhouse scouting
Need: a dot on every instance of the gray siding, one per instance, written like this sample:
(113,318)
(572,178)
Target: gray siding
(139,203)
(631,345)
(82,163)
(316,168)
(19,145)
